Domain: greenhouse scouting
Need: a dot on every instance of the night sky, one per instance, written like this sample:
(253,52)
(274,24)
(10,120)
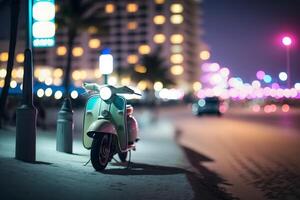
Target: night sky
(244,35)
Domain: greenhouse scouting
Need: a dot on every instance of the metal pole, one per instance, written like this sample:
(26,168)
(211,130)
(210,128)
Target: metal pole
(288,66)
(105,76)
(26,113)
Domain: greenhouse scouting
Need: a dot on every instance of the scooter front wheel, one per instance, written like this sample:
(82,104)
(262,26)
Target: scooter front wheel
(100,151)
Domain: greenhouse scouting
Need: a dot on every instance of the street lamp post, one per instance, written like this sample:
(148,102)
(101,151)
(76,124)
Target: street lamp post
(287,42)
(26,113)
(106,65)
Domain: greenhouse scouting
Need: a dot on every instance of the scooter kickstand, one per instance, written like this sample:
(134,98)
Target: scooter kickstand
(129,160)
(87,162)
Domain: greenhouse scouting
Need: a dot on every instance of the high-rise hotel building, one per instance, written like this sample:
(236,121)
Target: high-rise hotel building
(135,28)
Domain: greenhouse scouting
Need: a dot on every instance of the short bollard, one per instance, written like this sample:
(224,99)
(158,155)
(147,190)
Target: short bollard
(64,132)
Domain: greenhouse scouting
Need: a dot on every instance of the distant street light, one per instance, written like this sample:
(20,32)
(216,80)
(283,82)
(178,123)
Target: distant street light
(106,65)
(287,42)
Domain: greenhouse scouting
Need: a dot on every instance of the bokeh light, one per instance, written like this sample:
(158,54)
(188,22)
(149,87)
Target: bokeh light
(283,76)
(285,108)
(260,75)
(287,41)
(204,55)
(256,108)
(267,78)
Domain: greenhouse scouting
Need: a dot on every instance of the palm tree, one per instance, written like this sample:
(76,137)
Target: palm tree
(14,16)
(75,16)
(156,70)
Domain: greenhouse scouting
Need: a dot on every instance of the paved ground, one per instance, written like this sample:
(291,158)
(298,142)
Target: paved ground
(240,155)
(254,154)
(159,170)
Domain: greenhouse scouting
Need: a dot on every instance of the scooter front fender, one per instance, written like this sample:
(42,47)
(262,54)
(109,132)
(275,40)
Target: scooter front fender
(101,126)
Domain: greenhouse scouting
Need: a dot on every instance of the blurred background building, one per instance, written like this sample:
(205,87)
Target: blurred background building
(135,28)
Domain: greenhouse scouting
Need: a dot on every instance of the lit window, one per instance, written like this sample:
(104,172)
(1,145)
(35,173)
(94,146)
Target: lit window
(159,1)
(132,59)
(142,85)
(158,86)
(77,51)
(94,43)
(76,75)
(159,19)
(176,38)
(132,7)
(4,56)
(83,74)
(177,58)
(2,83)
(20,73)
(176,48)
(61,50)
(176,8)
(13,84)
(20,57)
(40,92)
(48,92)
(92,30)
(109,8)
(140,69)
(132,25)
(197,86)
(125,80)
(57,73)
(14,73)
(2,73)
(74,94)
(58,94)
(204,55)
(144,49)
(177,70)
(176,19)
(159,38)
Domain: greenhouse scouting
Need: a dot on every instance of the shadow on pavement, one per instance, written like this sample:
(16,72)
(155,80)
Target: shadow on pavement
(144,169)
(205,183)
(4,159)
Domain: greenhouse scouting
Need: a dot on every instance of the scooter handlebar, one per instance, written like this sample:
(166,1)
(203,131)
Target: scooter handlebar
(91,86)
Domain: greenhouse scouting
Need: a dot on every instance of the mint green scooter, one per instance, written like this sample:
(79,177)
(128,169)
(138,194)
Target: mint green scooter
(109,127)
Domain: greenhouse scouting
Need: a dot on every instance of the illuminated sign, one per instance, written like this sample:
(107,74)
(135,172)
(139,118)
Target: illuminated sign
(43,27)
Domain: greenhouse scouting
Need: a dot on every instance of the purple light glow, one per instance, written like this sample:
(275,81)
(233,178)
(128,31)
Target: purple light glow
(224,72)
(210,67)
(260,75)
(275,86)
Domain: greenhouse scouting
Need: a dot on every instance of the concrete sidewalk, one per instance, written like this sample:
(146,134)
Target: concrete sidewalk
(158,171)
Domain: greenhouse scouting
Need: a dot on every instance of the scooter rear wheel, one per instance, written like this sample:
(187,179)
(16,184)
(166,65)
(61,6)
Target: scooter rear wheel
(100,152)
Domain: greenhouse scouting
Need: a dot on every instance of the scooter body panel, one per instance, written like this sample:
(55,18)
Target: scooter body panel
(91,114)
(114,124)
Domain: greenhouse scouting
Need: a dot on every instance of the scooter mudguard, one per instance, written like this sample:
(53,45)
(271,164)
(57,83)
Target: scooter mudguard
(101,126)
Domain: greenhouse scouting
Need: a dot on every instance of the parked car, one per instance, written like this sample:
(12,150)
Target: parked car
(207,105)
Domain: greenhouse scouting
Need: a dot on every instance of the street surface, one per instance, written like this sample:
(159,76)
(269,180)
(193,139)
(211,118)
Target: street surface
(252,155)
(241,155)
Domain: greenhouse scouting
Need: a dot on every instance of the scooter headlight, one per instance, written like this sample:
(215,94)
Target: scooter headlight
(105,93)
